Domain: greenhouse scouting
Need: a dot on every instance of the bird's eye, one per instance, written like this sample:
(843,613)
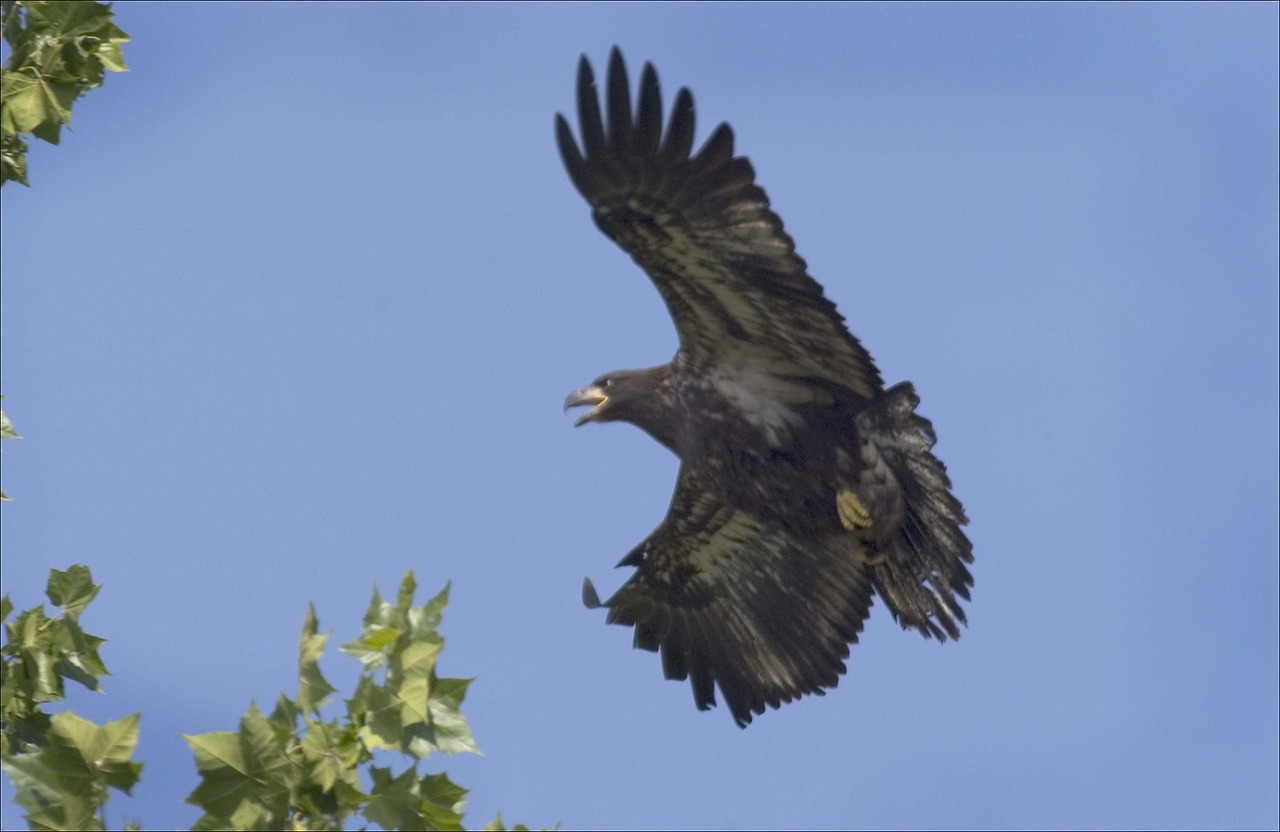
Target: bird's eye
(605,383)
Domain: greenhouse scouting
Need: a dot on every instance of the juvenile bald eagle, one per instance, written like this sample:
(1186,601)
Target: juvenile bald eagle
(805,486)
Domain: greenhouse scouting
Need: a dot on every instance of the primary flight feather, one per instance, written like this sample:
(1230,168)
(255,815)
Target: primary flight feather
(805,487)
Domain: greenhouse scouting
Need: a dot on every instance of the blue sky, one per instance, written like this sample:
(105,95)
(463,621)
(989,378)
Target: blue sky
(295,306)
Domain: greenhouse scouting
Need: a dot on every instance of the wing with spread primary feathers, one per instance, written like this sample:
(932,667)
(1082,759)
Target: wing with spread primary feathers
(702,229)
(736,602)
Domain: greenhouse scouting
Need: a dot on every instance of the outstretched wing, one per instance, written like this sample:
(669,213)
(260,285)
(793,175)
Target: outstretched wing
(702,229)
(742,604)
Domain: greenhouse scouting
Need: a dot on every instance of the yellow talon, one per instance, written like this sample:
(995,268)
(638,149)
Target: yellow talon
(853,515)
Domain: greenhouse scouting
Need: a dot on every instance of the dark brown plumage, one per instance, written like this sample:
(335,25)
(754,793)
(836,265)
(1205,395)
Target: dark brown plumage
(805,486)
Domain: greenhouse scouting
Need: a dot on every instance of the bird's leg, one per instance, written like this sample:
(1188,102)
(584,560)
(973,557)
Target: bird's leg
(854,515)
(870,559)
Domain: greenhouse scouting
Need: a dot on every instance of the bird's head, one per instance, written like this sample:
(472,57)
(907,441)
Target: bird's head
(612,397)
(642,397)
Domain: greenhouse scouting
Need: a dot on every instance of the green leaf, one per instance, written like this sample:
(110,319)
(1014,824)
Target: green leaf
(443,801)
(393,801)
(34,104)
(6,607)
(375,712)
(331,753)
(13,168)
(250,815)
(212,823)
(26,733)
(81,752)
(383,626)
(81,649)
(449,729)
(413,686)
(28,629)
(72,590)
(6,427)
(67,18)
(248,765)
(427,620)
(373,647)
(408,587)
(413,803)
(49,804)
(67,669)
(284,718)
(111,55)
(313,688)
(43,666)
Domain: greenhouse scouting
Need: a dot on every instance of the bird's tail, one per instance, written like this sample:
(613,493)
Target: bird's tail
(922,570)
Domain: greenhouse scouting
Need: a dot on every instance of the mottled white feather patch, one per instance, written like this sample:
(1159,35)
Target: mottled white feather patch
(765,400)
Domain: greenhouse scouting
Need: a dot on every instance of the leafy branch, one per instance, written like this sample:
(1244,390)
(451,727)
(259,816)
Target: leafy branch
(294,769)
(58,52)
(290,769)
(62,765)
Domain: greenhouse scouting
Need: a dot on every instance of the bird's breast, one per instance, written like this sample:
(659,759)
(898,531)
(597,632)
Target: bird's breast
(782,467)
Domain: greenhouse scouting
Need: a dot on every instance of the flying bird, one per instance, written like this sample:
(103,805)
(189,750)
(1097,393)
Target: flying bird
(806,487)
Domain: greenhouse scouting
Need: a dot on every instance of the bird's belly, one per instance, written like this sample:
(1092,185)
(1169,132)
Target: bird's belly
(796,489)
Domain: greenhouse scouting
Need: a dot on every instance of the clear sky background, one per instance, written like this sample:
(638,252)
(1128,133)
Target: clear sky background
(295,306)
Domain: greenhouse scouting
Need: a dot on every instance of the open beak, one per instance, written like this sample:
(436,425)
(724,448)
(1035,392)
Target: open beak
(586,396)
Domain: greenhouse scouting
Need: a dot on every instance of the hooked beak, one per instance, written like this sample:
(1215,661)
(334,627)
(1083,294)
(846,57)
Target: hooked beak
(586,396)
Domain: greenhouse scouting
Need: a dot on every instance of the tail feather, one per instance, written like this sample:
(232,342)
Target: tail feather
(924,569)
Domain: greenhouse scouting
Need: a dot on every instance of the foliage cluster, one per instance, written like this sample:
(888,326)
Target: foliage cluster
(62,765)
(290,769)
(57,52)
(294,769)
